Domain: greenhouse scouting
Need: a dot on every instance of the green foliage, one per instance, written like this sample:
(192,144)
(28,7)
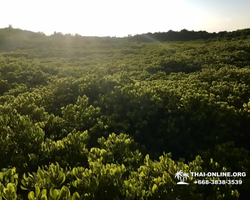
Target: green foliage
(92,118)
(121,149)
(52,177)
(81,114)
(19,139)
(71,150)
(54,194)
(8,193)
(8,176)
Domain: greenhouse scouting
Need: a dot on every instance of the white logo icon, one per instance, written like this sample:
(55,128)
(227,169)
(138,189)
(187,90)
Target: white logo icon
(181,176)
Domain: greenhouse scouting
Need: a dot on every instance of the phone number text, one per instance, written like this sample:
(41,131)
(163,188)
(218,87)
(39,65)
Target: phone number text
(218,182)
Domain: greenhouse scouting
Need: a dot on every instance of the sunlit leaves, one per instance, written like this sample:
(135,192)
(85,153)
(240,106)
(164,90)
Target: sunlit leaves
(100,113)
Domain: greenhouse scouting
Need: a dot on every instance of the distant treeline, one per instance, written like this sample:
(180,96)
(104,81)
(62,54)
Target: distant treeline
(11,38)
(185,35)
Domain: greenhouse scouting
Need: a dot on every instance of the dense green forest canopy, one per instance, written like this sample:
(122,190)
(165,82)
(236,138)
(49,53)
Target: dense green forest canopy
(116,118)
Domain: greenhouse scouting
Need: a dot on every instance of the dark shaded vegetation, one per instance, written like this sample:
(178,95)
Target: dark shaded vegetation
(186,35)
(96,118)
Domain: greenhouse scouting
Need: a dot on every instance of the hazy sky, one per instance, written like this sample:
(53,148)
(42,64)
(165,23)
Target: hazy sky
(123,17)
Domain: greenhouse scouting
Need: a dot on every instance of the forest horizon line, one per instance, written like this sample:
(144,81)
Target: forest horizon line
(170,35)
